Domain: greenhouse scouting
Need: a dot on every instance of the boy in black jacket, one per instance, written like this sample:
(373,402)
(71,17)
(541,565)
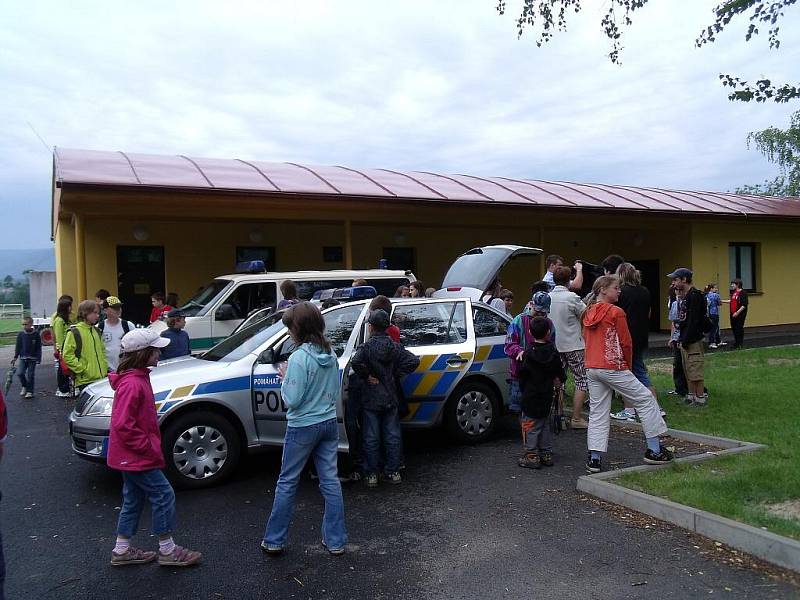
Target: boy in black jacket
(381,364)
(541,371)
(29,351)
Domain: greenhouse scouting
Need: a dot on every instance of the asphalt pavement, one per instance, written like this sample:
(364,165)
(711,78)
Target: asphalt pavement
(466,523)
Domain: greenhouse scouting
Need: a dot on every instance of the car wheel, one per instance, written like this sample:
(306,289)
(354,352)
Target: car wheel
(471,412)
(201,449)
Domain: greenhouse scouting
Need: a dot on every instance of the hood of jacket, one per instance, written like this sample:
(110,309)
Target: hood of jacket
(114,379)
(322,358)
(597,313)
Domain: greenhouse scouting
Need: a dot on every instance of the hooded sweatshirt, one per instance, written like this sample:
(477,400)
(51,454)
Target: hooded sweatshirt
(134,442)
(388,362)
(311,386)
(608,340)
(541,364)
(92,364)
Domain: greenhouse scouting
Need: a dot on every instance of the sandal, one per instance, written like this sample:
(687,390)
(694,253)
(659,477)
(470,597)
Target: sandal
(180,557)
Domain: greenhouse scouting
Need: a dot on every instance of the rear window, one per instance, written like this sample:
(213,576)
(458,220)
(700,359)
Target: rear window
(387,287)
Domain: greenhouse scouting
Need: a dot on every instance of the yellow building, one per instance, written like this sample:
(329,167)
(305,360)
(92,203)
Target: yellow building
(135,224)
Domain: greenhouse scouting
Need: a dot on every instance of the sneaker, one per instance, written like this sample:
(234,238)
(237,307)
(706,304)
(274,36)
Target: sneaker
(271,550)
(673,393)
(394,478)
(60,394)
(180,557)
(371,480)
(624,415)
(689,399)
(700,400)
(356,475)
(28,395)
(593,465)
(530,461)
(713,346)
(22,392)
(723,344)
(546,458)
(334,551)
(662,457)
(133,556)
(578,423)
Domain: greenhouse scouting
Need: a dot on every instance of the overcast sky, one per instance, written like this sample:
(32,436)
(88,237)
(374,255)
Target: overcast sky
(443,86)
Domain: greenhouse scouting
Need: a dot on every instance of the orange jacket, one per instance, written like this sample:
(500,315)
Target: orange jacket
(608,340)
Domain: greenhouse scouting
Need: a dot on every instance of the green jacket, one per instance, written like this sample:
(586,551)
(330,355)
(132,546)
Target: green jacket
(92,364)
(59,330)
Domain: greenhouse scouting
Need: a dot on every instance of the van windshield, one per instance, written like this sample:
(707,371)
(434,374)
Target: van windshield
(245,340)
(203,299)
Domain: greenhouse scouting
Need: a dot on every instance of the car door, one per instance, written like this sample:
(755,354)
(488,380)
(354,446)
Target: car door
(269,410)
(491,360)
(474,271)
(441,333)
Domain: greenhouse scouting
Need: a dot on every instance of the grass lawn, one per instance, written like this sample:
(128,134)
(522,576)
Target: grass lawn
(10,325)
(754,395)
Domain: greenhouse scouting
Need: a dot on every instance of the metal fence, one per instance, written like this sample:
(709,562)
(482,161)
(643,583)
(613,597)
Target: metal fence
(11,311)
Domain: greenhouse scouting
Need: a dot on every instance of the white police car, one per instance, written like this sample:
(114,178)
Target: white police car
(226,402)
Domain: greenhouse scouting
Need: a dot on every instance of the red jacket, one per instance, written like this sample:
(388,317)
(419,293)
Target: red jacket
(135,441)
(157,313)
(608,340)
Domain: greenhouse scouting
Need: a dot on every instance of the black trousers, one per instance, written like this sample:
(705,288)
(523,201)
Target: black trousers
(63,382)
(678,374)
(737,325)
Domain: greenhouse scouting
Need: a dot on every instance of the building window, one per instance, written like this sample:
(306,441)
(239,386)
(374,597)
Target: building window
(401,258)
(742,263)
(265,253)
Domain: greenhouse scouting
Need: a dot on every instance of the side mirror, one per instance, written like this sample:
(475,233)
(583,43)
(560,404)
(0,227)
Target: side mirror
(225,313)
(267,357)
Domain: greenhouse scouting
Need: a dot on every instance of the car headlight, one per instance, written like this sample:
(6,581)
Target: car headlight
(100,407)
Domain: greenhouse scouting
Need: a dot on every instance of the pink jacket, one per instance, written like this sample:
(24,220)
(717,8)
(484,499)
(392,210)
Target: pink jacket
(135,441)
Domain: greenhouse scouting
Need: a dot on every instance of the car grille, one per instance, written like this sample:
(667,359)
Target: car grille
(80,444)
(81,402)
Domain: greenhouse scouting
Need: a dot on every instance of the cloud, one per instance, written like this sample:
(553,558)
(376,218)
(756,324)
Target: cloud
(443,86)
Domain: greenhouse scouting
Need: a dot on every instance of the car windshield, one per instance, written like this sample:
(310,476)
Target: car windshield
(245,340)
(197,305)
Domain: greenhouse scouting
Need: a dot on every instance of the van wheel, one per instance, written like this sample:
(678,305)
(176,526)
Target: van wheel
(471,412)
(201,449)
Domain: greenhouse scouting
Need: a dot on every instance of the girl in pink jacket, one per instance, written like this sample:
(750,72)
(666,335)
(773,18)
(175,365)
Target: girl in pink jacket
(134,449)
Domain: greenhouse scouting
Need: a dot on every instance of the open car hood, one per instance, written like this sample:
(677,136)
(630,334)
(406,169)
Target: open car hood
(475,270)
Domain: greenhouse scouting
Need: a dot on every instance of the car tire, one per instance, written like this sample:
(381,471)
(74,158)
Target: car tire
(201,449)
(472,412)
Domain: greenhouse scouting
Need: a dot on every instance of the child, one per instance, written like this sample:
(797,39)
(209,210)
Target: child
(134,449)
(677,313)
(61,321)
(84,352)
(179,343)
(113,328)
(159,307)
(539,374)
(381,363)
(29,351)
(310,388)
(713,301)
(609,355)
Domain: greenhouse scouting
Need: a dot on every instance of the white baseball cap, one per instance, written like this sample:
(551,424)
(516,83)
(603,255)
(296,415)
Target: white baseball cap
(139,339)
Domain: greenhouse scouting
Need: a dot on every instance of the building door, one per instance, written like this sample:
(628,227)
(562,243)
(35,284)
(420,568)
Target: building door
(140,272)
(651,279)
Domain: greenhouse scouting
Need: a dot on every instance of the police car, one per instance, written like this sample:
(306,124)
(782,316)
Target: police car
(215,407)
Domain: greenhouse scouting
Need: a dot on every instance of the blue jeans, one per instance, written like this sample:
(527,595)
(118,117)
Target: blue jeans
(321,441)
(27,373)
(138,486)
(514,396)
(639,369)
(382,427)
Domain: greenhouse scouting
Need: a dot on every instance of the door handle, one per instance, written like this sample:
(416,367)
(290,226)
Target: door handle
(455,361)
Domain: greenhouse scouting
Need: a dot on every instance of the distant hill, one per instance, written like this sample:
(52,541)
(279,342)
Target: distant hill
(14,262)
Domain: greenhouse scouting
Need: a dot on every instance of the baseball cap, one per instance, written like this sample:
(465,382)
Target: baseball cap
(175,313)
(112,302)
(139,339)
(379,318)
(541,302)
(682,272)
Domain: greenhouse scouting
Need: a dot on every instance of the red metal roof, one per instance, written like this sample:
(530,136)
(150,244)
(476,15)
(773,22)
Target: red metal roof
(102,168)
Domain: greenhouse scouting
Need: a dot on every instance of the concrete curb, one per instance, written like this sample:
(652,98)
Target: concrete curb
(773,548)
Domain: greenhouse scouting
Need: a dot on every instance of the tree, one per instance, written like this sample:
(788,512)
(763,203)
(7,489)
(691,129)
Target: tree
(550,16)
(782,148)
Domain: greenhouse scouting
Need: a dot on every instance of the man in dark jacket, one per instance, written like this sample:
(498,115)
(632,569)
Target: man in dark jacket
(692,332)
(541,367)
(381,363)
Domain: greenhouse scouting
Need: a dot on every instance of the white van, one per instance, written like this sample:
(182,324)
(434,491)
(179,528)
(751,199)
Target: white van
(218,308)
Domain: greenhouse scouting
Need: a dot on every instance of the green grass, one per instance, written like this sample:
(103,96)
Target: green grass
(10,325)
(754,396)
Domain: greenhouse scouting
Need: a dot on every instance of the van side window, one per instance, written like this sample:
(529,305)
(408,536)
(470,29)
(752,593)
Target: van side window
(251,296)
(431,324)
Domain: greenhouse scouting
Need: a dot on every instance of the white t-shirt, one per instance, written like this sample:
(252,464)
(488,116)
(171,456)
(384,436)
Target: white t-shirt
(497,303)
(112,339)
(548,277)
